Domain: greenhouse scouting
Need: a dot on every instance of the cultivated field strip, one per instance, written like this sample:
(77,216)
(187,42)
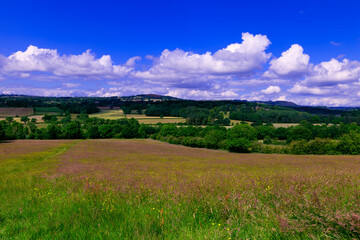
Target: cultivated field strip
(12,112)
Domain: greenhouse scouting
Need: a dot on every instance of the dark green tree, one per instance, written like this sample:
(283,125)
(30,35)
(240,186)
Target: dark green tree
(350,143)
(214,137)
(239,145)
(53,131)
(72,130)
(242,131)
(93,132)
(299,133)
(24,119)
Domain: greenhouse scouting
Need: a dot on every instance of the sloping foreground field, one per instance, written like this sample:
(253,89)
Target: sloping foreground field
(143,189)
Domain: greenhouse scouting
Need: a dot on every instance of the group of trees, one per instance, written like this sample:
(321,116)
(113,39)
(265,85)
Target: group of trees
(284,116)
(82,127)
(199,113)
(306,138)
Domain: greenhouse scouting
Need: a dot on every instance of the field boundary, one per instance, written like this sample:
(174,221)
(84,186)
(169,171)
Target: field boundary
(64,149)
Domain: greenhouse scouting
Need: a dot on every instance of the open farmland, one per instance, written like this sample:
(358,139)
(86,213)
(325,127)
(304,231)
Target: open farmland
(154,120)
(114,114)
(13,112)
(144,189)
(285,125)
(109,114)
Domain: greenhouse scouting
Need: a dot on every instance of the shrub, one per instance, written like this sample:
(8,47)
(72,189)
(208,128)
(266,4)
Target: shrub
(322,146)
(350,143)
(299,133)
(213,138)
(194,142)
(299,147)
(256,147)
(240,145)
(267,140)
(72,130)
(168,129)
(242,131)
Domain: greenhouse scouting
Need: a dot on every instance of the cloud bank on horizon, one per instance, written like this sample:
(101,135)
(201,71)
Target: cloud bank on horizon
(244,70)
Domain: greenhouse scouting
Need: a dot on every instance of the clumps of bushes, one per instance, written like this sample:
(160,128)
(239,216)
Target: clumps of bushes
(347,144)
(317,146)
(194,142)
(242,138)
(350,143)
(239,145)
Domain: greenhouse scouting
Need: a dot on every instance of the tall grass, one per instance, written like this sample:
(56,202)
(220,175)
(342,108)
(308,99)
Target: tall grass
(141,189)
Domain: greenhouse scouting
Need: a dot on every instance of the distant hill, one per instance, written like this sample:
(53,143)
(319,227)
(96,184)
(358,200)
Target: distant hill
(280,103)
(14,100)
(322,110)
(149,97)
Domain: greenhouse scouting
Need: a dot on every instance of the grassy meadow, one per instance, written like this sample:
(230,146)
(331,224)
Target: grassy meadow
(144,189)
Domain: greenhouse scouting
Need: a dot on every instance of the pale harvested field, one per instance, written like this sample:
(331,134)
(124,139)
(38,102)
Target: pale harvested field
(114,114)
(285,125)
(109,114)
(38,118)
(18,119)
(155,120)
(108,108)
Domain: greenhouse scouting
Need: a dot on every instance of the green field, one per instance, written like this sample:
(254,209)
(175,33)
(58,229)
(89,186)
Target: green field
(144,189)
(48,110)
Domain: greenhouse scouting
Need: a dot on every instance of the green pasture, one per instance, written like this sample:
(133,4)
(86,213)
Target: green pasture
(143,189)
(47,110)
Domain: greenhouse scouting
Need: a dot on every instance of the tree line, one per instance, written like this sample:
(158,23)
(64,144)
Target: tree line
(306,138)
(195,112)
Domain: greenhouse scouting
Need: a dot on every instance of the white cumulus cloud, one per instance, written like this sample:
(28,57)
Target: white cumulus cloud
(131,62)
(233,72)
(334,72)
(299,89)
(71,85)
(202,94)
(293,63)
(271,90)
(241,59)
(49,61)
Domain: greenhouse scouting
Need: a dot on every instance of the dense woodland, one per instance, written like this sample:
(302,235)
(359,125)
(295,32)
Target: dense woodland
(315,134)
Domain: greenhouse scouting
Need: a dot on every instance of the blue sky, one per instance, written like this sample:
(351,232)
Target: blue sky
(307,52)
